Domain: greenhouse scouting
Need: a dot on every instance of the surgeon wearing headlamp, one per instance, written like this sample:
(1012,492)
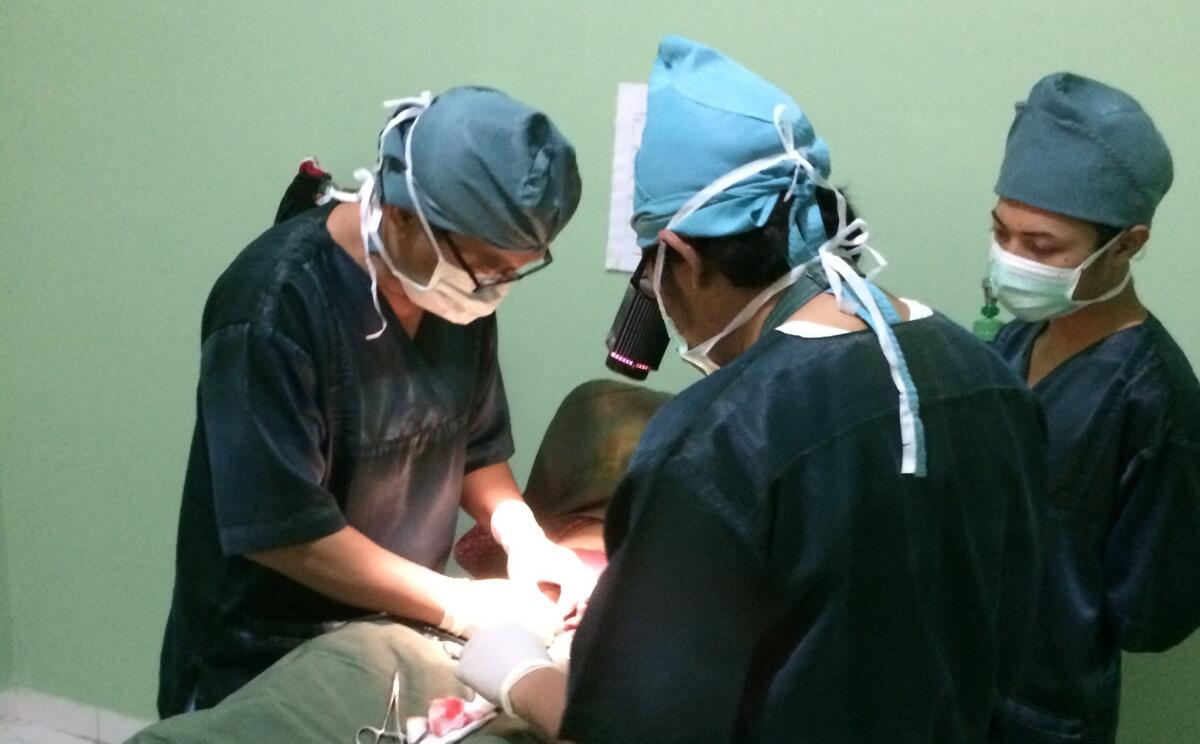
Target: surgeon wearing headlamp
(815,542)
(350,401)
(1084,170)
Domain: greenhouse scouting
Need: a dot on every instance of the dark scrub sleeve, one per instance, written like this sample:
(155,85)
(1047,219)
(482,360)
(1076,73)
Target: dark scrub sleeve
(653,661)
(1152,555)
(489,439)
(264,435)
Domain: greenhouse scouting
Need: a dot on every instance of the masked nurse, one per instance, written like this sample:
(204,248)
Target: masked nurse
(1083,171)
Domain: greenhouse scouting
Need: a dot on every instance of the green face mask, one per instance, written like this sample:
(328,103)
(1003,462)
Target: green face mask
(1034,292)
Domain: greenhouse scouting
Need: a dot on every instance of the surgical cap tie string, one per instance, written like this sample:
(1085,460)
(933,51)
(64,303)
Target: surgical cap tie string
(849,241)
(370,211)
(367,217)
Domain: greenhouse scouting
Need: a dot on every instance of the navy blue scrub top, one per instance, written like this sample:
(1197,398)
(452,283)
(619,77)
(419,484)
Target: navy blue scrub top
(1122,532)
(303,427)
(774,578)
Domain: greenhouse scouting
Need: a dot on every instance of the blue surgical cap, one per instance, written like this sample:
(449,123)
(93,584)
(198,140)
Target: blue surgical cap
(486,166)
(706,115)
(1085,150)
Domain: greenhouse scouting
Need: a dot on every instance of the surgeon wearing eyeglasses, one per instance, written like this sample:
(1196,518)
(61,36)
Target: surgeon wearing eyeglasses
(1083,173)
(350,401)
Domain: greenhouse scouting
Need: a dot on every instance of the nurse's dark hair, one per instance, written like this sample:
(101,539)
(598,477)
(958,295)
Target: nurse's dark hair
(757,257)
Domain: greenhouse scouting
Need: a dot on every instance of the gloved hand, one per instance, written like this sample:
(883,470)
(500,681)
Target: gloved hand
(469,605)
(534,560)
(497,657)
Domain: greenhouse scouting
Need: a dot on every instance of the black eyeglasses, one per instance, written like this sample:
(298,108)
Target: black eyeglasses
(504,277)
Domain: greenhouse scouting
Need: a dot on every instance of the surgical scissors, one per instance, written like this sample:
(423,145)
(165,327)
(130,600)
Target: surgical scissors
(372,735)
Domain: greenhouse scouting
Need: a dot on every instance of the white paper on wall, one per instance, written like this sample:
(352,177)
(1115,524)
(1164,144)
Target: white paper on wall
(623,253)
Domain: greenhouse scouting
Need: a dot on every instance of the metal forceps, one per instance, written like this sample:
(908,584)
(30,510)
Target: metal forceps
(384,734)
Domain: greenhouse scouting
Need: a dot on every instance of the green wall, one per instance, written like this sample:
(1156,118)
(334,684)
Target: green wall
(6,621)
(144,143)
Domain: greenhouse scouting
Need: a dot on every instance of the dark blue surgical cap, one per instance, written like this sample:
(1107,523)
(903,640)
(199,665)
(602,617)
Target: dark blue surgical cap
(486,166)
(1086,150)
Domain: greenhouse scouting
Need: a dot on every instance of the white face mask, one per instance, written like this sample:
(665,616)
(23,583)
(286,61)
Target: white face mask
(698,356)
(1033,291)
(450,292)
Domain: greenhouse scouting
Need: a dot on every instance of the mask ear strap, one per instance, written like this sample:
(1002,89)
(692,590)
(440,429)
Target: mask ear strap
(411,184)
(656,283)
(1078,274)
(370,213)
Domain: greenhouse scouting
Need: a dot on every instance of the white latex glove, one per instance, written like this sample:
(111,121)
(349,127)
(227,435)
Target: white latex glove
(469,605)
(543,562)
(497,657)
(534,560)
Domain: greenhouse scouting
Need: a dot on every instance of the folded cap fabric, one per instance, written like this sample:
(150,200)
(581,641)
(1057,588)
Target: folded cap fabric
(706,115)
(1083,149)
(487,166)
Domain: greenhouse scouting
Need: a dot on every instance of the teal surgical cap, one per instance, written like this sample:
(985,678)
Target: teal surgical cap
(1085,150)
(706,116)
(486,166)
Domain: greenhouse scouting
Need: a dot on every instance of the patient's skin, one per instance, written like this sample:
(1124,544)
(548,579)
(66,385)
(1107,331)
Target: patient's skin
(584,537)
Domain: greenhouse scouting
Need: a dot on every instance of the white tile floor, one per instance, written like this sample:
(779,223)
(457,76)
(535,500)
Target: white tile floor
(28,733)
(29,717)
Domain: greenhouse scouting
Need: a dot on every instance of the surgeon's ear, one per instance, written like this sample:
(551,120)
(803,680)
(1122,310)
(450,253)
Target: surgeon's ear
(691,271)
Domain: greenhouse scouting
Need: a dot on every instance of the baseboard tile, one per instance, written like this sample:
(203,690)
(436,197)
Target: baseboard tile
(67,716)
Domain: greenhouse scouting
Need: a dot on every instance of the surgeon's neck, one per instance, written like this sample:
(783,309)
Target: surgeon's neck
(1065,337)
(343,226)
(822,310)
(737,342)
